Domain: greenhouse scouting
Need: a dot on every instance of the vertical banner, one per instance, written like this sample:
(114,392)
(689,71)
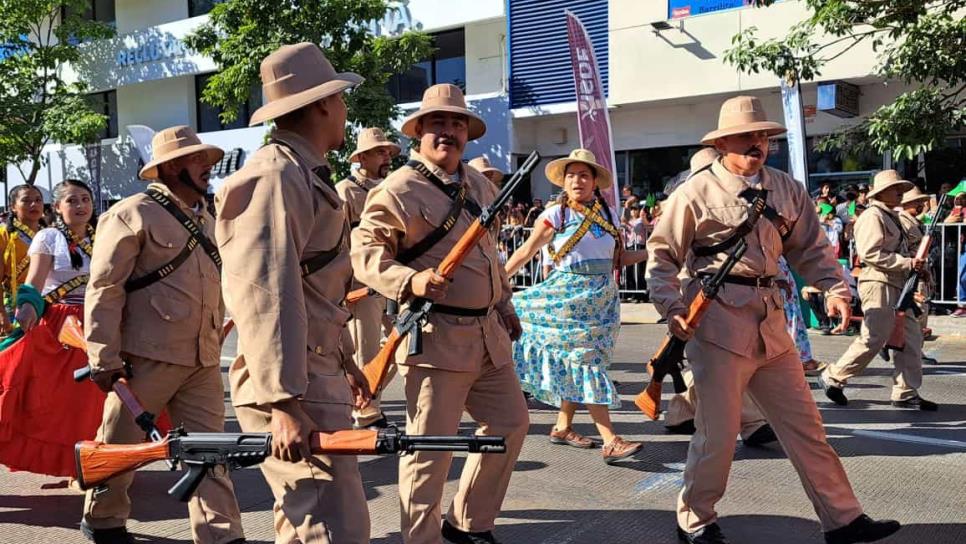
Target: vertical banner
(593,119)
(795,123)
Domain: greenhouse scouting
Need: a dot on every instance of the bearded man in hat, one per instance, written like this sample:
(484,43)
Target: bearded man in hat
(483,166)
(886,259)
(283,234)
(373,154)
(465,364)
(742,344)
(154,303)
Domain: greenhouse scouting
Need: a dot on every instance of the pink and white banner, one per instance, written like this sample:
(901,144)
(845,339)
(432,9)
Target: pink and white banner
(593,119)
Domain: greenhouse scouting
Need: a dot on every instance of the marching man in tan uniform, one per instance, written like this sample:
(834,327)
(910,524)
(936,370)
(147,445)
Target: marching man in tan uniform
(284,237)
(466,363)
(483,166)
(914,203)
(679,417)
(373,154)
(742,344)
(886,261)
(154,302)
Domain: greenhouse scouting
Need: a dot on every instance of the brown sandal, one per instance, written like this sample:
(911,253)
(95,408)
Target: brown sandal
(618,449)
(571,438)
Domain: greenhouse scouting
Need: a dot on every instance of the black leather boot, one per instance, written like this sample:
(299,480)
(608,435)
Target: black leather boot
(763,436)
(457,536)
(114,535)
(862,529)
(709,534)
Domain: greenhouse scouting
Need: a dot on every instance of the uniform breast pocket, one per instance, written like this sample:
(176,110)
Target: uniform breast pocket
(165,244)
(170,308)
(719,222)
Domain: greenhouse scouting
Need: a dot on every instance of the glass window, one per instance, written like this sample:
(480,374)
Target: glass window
(649,170)
(96,10)
(105,103)
(208,116)
(201,7)
(447,65)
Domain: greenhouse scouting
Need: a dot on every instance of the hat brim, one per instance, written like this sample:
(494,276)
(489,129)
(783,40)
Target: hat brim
(555,172)
(906,186)
(278,108)
(150,170)
(477,127)
(497,171)
(771,127)
(915,199)
(394,150)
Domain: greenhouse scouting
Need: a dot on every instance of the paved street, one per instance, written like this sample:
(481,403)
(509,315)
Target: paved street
(906,465)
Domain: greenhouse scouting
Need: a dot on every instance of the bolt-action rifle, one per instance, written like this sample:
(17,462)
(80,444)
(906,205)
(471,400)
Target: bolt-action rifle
(410,321)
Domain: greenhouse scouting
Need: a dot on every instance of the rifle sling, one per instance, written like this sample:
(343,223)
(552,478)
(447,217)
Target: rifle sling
(457,193)
(769,212)
(195,238)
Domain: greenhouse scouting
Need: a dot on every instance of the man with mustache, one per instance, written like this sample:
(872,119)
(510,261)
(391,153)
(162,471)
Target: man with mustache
(410,222)
(154,302)
(374,153)
(742,344)
(283,233)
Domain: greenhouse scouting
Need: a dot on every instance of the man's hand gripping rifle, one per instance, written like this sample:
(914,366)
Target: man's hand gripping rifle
(669,359)
(410,321)
(200,452)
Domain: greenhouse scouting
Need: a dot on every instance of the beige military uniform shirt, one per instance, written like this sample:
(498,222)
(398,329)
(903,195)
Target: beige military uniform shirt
(706,210)
(881,246)
(176,320)
(273,214)
(354,194)
(399,213)
(913,229)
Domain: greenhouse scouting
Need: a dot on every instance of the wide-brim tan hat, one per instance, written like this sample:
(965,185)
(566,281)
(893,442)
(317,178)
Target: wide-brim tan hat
(295,76)
(702,158)
(556,168)
(446,98)
(174,142)
(483,166)
(740,115)
(372,138)
(889,178)
(914,195)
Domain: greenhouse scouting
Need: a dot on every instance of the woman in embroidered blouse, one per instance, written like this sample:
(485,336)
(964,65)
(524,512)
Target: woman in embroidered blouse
(15,237)
(570,320)
(43,412)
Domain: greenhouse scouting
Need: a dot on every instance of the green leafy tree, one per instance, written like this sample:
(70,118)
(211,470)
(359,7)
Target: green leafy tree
(37,105)
(917,42)
(240,33)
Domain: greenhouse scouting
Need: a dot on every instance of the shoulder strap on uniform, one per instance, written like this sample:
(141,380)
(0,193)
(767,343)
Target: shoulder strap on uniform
(752,196)
(195,237)
(457,193)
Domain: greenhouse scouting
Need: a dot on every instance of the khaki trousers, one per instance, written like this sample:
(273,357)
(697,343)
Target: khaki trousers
(318,500)
(435,401)
(194,397)
(681,408)
(367,328)
(878,300)
(779,388)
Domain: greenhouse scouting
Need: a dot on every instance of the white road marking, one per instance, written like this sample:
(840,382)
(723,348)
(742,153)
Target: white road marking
(901,437)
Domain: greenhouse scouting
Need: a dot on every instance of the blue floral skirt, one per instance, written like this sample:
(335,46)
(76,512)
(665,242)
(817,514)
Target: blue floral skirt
(570,324)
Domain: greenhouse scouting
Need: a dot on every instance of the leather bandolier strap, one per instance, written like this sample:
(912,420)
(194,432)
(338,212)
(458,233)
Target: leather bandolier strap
(65,288)
(591,217)
(770,213)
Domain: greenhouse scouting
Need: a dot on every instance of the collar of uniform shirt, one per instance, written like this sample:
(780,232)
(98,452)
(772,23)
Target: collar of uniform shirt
(884,206)
(440,173)
(735,183)
(302,147)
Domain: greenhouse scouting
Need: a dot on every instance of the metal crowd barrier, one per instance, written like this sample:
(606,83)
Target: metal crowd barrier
(948,265)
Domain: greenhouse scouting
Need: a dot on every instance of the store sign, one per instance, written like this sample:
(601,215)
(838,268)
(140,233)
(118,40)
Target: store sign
(229,164)
(397,20)
(676,9)
(839,99)
(151,50)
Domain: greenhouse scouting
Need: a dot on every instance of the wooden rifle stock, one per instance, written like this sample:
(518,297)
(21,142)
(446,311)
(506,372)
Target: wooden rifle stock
(98,462)
(354,442)
(667,360)
(377,369)
(897,338)
(358,294)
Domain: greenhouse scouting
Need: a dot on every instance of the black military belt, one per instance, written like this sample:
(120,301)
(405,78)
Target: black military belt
(462,312)
(763,282)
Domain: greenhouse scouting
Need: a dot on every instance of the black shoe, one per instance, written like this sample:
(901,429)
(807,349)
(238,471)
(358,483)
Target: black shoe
(380,423)
(456,536)
(114,535)
(686,427)
(710,534)
(863,529)
(916,403)
(929,361)
(763,436)
(834,394)
(886,356)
